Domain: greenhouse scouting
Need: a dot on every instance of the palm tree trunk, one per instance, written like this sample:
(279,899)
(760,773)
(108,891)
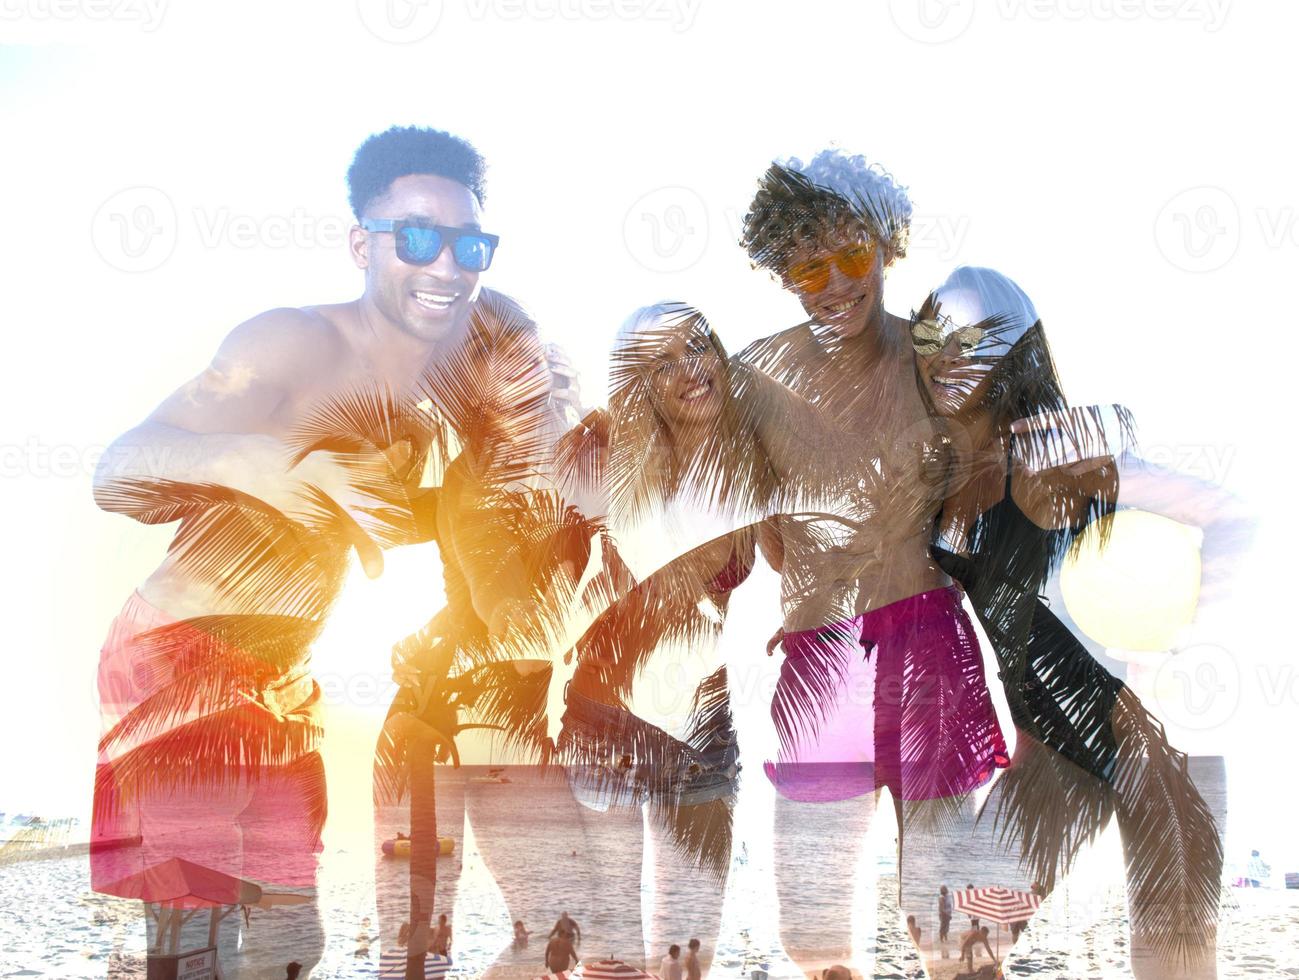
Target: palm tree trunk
(421,759)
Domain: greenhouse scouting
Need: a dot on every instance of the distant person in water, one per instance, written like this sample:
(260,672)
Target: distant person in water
(292,970)
(560,954)
(914,930)
(520,935)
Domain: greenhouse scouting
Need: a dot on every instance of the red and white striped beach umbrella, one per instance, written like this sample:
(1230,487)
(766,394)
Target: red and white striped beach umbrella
(610,970)
(392,964)
(1000,905)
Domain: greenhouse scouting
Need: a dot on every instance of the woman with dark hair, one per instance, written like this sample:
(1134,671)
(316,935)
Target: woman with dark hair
(1027,476)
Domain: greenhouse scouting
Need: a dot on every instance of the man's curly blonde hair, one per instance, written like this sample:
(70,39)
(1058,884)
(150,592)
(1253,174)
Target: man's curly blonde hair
(835,196)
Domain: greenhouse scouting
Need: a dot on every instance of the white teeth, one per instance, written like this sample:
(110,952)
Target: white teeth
(695,392)
(843,307)
(434,301)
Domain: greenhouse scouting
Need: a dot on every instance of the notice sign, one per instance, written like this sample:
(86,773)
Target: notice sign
(198,964)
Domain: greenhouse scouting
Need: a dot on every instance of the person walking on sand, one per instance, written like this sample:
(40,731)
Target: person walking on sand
(944,912)
(560,954)
(914,929)
(691,962)
(670,968)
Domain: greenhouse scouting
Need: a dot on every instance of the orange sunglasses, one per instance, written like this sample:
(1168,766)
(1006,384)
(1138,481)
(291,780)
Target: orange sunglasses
(814,274)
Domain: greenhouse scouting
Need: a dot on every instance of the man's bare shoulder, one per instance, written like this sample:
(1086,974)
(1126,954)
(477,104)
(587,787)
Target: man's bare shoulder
(780,353)
(285,342)
(290,329)
(266,363)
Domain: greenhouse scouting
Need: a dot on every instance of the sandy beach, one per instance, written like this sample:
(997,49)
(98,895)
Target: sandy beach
(56,927)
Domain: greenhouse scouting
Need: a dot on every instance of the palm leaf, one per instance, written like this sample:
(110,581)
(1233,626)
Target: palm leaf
(220,749)
(1174,854)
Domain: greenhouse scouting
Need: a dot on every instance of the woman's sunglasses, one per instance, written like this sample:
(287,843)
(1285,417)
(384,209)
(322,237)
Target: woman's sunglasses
(813,276)
(931,336)
(700,346)
(421,244)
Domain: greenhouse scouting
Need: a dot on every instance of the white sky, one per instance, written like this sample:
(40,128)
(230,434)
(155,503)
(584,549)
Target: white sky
(1061,143)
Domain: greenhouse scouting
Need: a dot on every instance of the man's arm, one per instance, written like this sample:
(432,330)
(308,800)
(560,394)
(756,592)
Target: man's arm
(224,426)
(1226,522)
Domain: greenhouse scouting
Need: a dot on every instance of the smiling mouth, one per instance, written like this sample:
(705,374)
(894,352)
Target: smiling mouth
(434,302)
(698,390)
(951,384)
(838,310)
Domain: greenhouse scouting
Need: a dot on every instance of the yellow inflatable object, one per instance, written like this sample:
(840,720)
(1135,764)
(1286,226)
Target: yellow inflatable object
(1141,588)
(400,848)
